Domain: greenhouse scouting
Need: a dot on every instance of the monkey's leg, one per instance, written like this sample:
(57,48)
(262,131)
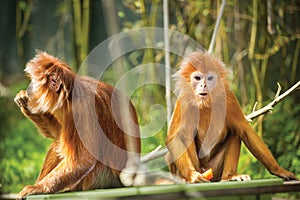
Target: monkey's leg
(172,166)
(64,175)
(51,161)
(231,160)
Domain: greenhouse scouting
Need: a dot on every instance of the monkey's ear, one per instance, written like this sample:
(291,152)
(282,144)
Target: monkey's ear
(55,82)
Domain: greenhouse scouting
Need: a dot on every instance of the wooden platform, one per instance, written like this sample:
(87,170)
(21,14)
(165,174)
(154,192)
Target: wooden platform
(255,189)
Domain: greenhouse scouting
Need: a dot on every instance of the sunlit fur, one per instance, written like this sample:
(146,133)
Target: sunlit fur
(89,149)
(39,69)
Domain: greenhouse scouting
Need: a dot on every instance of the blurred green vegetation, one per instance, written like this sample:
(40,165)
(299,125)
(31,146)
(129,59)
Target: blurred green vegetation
(22,150)
(259,41)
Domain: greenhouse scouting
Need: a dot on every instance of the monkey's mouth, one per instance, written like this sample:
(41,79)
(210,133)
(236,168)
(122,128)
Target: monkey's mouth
(203,94)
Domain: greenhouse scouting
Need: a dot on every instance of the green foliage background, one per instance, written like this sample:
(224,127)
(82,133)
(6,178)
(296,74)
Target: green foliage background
(259,53)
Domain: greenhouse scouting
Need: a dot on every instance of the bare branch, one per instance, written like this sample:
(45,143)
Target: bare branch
(213,39)
(254,107)
(278,90)
(156,153)
(276,100)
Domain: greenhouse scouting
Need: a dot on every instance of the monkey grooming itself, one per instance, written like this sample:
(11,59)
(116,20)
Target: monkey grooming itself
(89,149)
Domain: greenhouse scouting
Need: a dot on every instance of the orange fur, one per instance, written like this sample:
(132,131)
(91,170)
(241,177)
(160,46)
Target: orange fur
(206,130)
(89,148)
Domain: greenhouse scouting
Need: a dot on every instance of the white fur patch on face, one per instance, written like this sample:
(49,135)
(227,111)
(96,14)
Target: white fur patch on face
(203,84)
(211,80)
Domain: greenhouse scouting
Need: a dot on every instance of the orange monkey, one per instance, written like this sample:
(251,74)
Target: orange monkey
(208,125)
(66,108)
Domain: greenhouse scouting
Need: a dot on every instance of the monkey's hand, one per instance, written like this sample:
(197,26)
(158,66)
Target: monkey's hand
(21,99)
(29,189)
(286,175)
(196,177)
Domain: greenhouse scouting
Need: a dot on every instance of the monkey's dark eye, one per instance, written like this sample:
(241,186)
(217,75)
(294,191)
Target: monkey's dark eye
(210,78)
(197,78)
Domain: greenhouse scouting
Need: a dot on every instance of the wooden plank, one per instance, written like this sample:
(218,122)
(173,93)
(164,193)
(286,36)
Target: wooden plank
(218,189)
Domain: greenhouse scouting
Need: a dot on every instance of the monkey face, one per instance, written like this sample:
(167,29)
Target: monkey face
(203,83)
(51,83)
(201,80)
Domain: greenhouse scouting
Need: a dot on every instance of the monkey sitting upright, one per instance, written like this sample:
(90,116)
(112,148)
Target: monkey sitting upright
(208,125)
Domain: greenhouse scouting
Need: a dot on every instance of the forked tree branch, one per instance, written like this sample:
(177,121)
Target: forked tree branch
(268,108)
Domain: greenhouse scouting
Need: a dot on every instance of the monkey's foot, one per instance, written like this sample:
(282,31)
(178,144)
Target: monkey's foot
(29,189)
(240,177)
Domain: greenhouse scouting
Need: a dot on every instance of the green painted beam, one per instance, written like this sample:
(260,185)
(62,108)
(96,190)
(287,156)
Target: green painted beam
(199,189)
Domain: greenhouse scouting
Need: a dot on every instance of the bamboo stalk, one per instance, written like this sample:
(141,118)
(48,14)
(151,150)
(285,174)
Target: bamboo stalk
(253,29)
(240,46)
(295,61)
(18,27)
(253,64)
(22,25)
(263,72)
(77,29)
(85,29)
(77,22)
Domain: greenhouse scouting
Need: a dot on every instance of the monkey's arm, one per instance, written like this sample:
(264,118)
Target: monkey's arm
(183,153)
(260,150)
(46,122)
(255,144)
